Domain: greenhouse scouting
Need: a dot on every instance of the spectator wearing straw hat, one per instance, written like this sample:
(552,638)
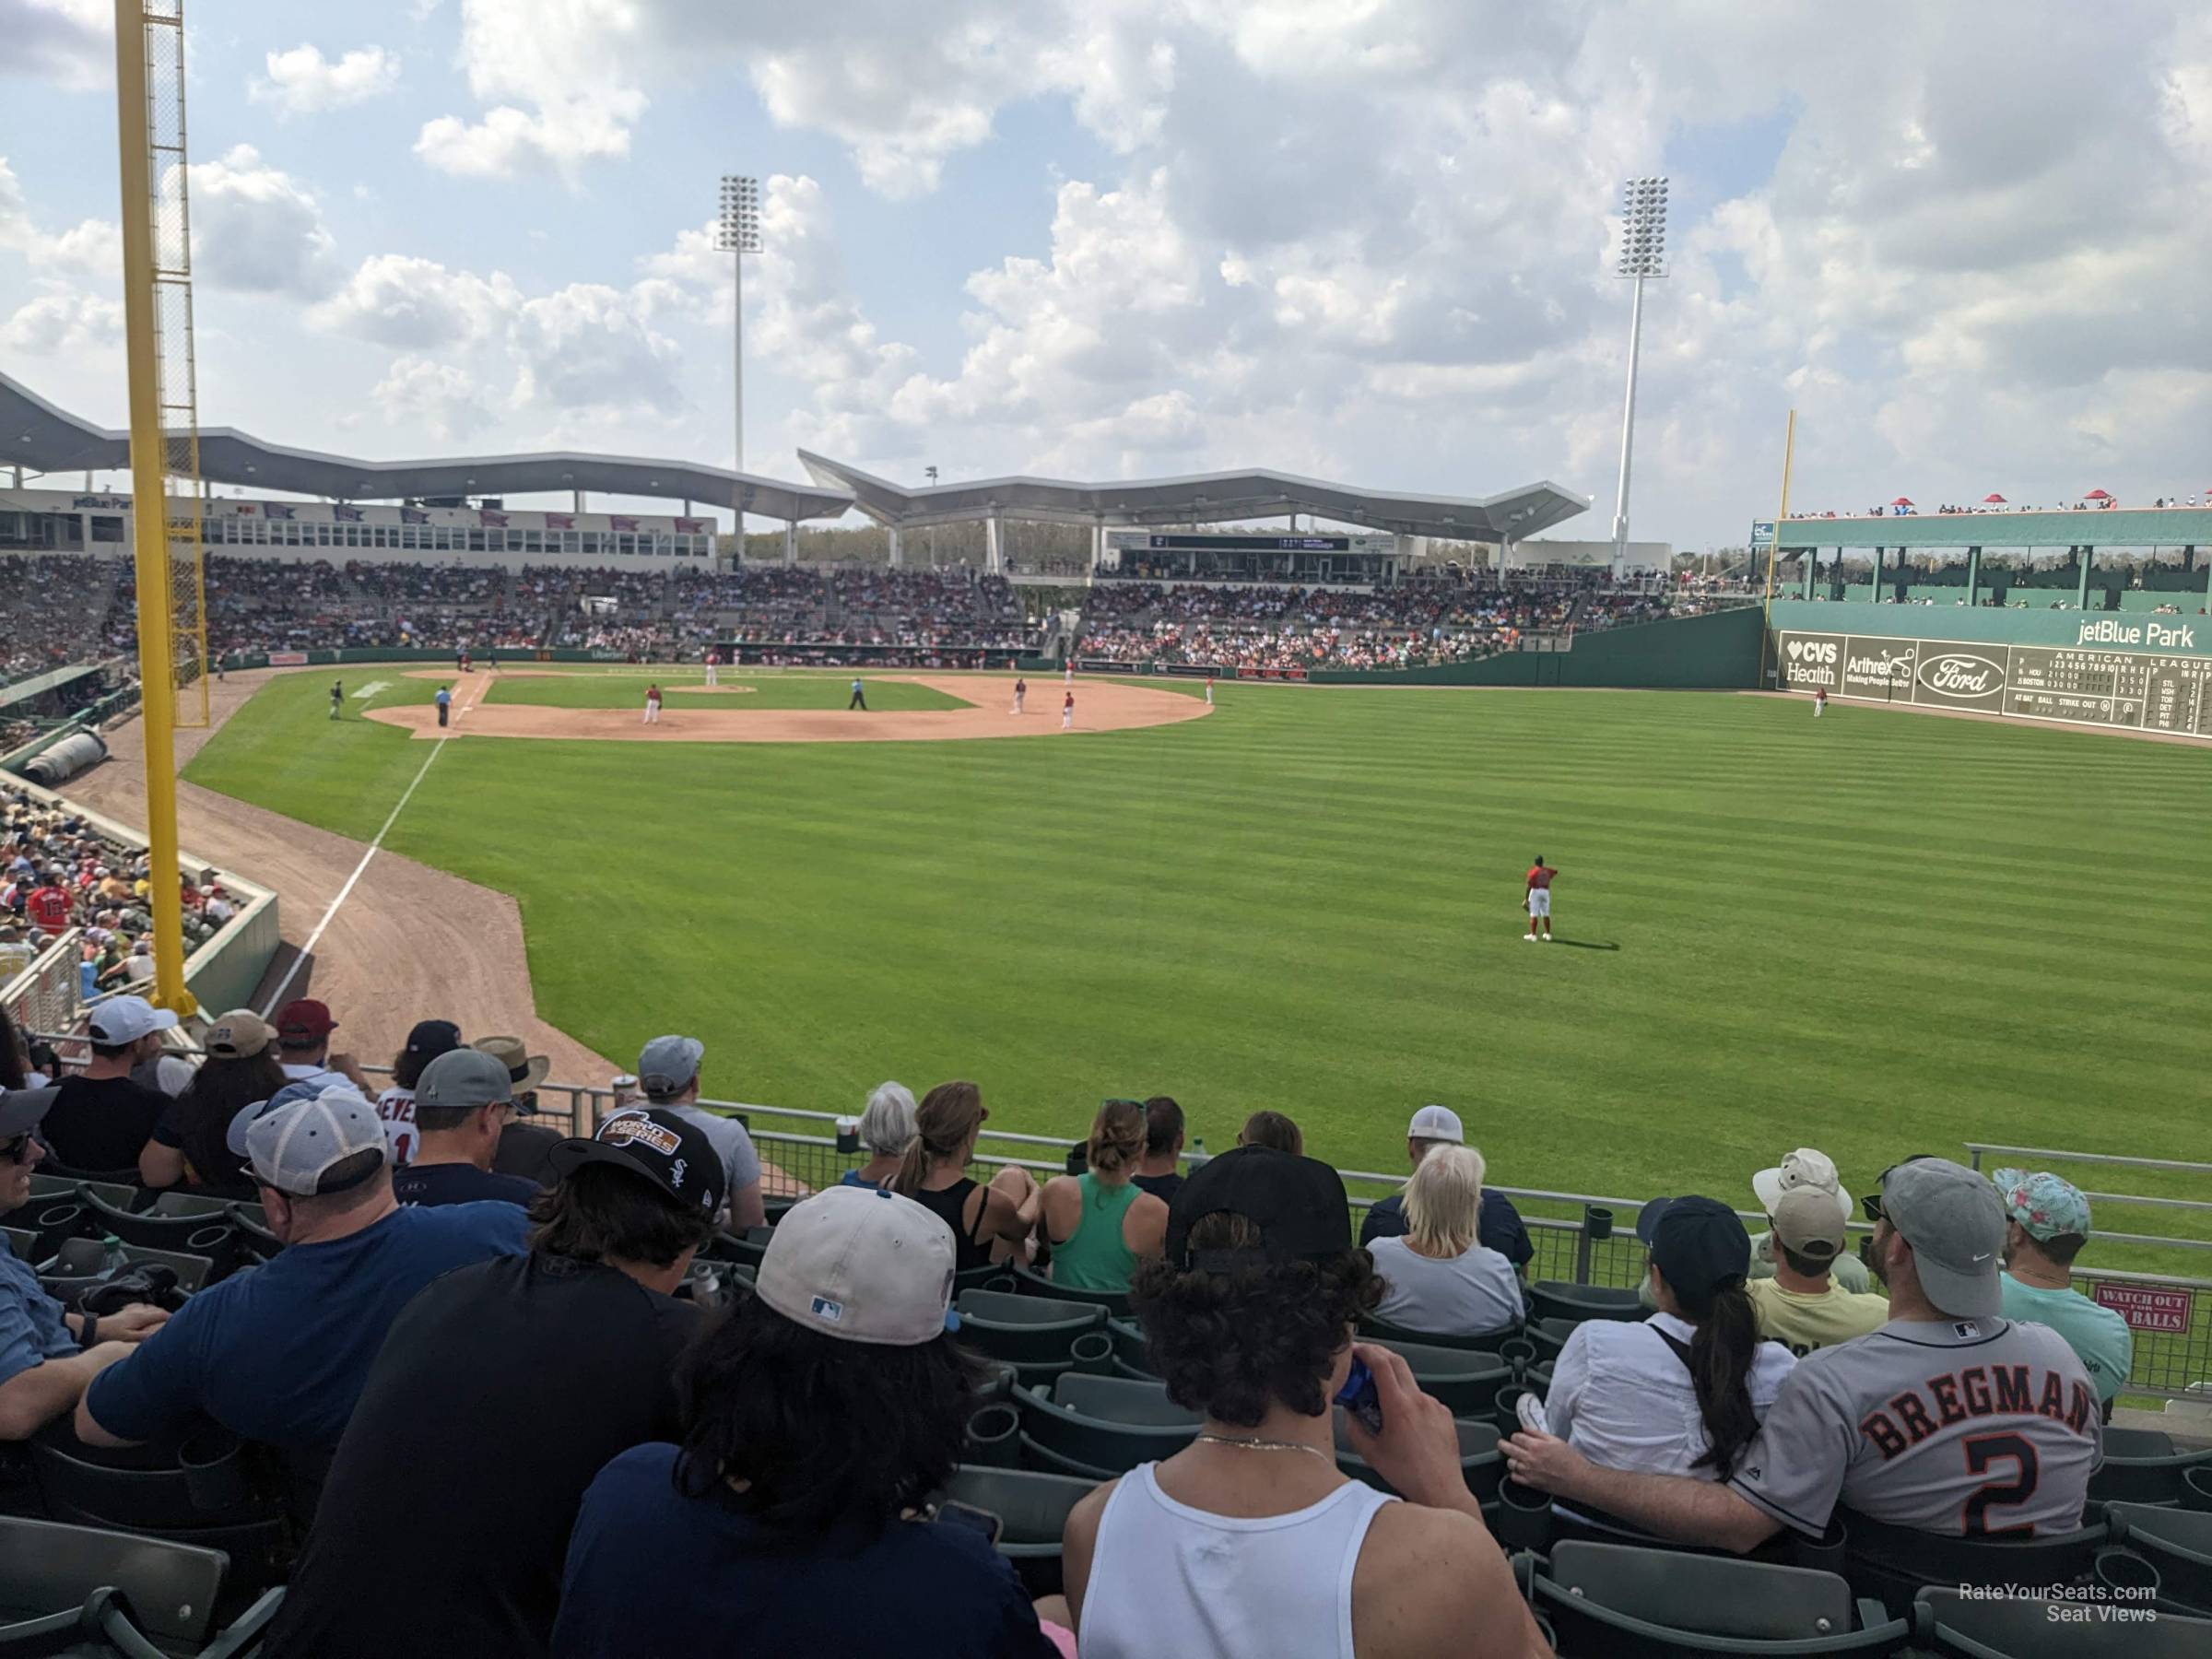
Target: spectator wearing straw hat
(2046,1223)
(525,1146)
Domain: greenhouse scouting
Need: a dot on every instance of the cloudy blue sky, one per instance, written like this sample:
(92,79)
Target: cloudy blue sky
(1366,240)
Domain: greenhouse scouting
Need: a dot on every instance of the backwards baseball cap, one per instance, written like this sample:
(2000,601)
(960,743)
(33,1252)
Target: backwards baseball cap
(305,1022)
(1955,1223)
(1805,1224)
(427,1038)
(1437,1123)
(667,1065)
(22,1109)
(122,1019)
(1698,1243)
(2043,1203)
(861,1264)
(672,1154)
(462,1078)
(1296,1203)
(235,1137)
(238,1035)
(292,1146)
(1803,1168)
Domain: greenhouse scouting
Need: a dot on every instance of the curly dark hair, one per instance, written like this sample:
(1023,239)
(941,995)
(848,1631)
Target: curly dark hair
(1232,1344)
(822,1431)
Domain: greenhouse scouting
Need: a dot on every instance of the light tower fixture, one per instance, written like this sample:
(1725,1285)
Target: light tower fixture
(1642,254)
(737,233)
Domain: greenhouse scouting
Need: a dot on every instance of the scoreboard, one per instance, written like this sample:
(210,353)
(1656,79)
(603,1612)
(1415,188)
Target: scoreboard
(1200,543)
(2137,690)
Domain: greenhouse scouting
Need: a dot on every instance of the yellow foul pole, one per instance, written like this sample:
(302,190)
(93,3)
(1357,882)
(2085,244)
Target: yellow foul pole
(1781,517)
(150,509)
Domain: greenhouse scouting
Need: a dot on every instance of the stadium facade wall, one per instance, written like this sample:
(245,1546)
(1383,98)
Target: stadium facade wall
(1718,651)
(2187,634)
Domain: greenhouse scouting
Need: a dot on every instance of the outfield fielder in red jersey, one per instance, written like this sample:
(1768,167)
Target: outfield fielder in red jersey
(1536,900)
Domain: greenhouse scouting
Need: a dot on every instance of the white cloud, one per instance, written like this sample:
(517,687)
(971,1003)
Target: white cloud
(508,140)
(582,348)
(68,44)
(433,398)
(397,299)
(302,81)
(257,231)
(63,319)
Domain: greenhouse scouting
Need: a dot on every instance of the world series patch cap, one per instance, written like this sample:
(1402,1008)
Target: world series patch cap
(862,1264)
(1955,1223)
(1296,1203)
(667,1065)
(676,1156)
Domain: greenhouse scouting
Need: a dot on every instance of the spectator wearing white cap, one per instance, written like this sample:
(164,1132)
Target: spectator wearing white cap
(47,1357)
(278,1355)
(886,1130)
(1437,1278)
(1801,1306)
(1497,1227)
(103,1118)
(774,1517)
(668,1073)
(2046,1223)
(463,1102)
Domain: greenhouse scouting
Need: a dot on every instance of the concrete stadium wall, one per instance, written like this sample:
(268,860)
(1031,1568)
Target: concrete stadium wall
(2092,629)
(1717,651)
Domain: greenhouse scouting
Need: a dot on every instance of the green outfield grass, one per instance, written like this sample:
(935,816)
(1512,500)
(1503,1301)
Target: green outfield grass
(686,690)
(1882,934)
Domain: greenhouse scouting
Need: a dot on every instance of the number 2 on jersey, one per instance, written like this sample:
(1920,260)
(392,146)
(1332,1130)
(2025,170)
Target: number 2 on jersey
(1982,1451)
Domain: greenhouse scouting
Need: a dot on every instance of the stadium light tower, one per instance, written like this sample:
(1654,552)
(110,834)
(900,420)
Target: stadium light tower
(1642,254)
(737,233)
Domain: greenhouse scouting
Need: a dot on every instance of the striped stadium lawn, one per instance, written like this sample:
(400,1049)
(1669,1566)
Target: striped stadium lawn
(686,689)
(1879,935)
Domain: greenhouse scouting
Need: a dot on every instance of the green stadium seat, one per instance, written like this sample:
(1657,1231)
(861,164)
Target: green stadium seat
(2178,1542)
(48,1567)
(193,1204)
(1101,1425)
(2025,1626)
(1894,1564)
(1030,1331)
(1032,1511)
(1557,1299)
(76,1267)
(2141,1466)
(198,1235)
(1030,1282)
(22,1244)
(1549,1337)
(1372,1329)
(1627,1603)
(991,1275)
(1479,1459)
(1466,1380)
(1129,1356)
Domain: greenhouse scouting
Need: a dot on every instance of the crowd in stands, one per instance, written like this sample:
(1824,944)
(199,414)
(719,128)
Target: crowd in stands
(2095,501)
(1406,625)
(501,1344)
(57,872)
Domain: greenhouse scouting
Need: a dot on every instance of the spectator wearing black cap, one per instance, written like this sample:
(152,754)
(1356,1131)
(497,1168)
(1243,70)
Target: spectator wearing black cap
(190,1144)
(1252,1542)
(278,1355)
(819,1418)
(47,1357)
(1682,1391)
(102,1118)
(426,1039)
(463,1102)
(1498,1226)
(502,1390)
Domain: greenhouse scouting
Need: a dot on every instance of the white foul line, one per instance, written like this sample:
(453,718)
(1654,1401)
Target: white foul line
(275,998)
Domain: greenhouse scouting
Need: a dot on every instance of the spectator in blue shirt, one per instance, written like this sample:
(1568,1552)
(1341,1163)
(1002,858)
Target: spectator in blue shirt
(280,1353)
(1496,1224)
(819,1418)
(46,1356)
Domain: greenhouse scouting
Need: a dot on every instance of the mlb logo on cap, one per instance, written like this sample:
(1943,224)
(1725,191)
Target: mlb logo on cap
(824,1309)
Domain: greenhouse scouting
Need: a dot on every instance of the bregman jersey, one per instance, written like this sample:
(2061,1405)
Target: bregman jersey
(1974,1428)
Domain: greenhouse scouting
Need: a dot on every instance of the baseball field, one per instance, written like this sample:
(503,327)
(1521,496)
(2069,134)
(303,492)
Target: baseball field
(1881,934)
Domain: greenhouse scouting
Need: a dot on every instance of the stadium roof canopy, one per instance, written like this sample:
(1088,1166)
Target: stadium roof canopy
(40,438)
(1207,498)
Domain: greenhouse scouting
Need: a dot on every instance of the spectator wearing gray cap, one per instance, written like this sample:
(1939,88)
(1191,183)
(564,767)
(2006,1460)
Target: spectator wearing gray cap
(1950,1419)
(279,1355)
(1498,1224)
(463,1102)
(47,1357)
(668,1073)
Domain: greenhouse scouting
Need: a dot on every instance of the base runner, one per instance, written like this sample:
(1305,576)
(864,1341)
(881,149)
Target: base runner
(1536,901)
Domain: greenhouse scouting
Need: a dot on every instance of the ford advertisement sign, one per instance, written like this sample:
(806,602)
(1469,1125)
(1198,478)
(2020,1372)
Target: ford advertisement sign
(1958,677)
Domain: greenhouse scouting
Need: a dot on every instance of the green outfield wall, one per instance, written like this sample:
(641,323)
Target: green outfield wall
(1713,652)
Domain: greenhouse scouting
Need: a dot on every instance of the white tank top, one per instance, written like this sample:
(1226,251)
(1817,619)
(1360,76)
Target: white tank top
(1166,1577)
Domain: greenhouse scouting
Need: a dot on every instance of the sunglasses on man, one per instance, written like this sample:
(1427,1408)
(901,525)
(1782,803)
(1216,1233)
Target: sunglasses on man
(16,1148)
(1870,1204)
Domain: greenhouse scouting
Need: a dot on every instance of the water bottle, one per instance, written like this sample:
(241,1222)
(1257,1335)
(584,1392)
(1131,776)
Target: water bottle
(1196,1158)
(112,1259)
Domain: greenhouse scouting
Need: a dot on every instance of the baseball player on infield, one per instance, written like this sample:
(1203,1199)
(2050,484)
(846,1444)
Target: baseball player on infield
(1950,1419)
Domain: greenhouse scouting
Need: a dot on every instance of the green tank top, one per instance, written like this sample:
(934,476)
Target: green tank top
(1094,1258)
